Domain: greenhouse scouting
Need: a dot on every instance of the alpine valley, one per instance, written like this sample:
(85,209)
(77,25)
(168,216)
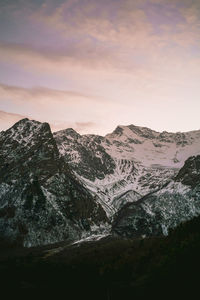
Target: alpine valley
(63,186)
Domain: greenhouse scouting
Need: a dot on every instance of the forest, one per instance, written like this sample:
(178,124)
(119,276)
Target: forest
(112,268)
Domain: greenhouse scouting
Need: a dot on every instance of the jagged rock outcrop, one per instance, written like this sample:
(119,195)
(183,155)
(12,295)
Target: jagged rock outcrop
(86,156)
(190,173)
(127,164)
(157,212)
(40,200)
(66,186)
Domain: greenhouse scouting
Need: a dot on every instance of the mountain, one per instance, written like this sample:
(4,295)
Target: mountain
(127,164)
(41,202)
(67,186)
(159,211)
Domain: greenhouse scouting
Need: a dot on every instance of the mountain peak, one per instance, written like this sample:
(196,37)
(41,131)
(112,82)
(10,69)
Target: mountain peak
(69,133)
(25,129)
(47,203)
(118,130)
(139,131)
(143,131)
(23,136)
(25,121)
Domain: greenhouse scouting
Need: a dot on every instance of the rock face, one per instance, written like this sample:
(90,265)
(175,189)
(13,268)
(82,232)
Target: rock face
(190,173)
(128,164)
(154,214)
(67,186)
(40,200)
(86,156)
(146,188)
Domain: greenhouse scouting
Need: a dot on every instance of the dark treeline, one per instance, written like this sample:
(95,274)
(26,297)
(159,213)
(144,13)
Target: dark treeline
(109,269)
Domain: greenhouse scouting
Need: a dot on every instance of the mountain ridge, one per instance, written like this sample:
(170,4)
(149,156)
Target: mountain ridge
(41,201)
(90,181)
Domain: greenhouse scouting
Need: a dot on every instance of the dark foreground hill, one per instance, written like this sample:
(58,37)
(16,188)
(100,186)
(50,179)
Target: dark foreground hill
(111,268)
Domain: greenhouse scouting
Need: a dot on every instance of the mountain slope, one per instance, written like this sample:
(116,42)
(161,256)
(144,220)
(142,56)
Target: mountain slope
(166,208)
(129,163)
(40,200)
(65,186)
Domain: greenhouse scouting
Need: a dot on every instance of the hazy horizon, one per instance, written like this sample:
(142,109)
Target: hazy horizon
(54,129)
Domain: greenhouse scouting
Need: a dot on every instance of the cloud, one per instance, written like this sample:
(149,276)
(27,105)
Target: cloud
(36,93)
(111,58)
(60,108)
(80,56)
(8,119)
(123,23)
(106,21)
(106,36)
(74,57)
(37,99)
(93,34)
(81,127)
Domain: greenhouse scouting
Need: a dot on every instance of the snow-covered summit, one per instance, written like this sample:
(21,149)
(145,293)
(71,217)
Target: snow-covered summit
(127,163)
(25,136)
(66,185)
(24,130)
(150,147)
(41,202)
(122,132)
(133,131)
(67,133)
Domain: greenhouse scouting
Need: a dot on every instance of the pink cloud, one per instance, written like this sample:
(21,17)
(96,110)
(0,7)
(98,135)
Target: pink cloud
(8,119)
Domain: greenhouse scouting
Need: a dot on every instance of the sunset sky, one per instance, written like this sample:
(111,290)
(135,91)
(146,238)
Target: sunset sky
(95,64)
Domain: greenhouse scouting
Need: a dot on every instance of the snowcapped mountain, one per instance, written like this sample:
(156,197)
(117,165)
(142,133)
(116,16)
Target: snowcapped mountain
(67,186)
(153,148)
(127,164)
(40,200)
(157,212)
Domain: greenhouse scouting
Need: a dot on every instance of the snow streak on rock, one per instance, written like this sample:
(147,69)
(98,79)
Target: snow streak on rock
(67,186)
(41,201)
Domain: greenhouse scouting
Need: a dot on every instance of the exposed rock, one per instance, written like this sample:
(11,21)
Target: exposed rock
(190,173)
(69,186)
(40,200)
(154,214)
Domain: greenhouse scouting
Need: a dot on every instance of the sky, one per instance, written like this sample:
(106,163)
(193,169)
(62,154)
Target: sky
(92,65)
